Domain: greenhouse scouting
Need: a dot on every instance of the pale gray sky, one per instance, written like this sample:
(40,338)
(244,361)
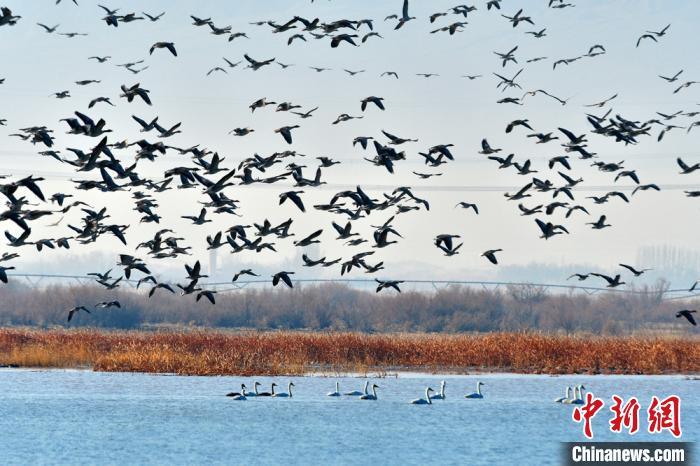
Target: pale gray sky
(444,109)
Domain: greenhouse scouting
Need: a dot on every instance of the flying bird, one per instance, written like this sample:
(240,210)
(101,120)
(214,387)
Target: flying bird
(164,45)
(386,284)
(685,168)
(404,18)
(286,132)
(48,29)
(634,271)
(76,309)
(468,205)
(491,255)
(613,282)
(153,18)
(688,314)
(284,277)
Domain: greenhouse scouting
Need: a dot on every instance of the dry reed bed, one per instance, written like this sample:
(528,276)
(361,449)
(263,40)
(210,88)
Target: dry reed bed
(277,353)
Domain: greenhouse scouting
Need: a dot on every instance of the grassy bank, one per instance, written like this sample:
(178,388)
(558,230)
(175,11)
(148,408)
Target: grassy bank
(277,353)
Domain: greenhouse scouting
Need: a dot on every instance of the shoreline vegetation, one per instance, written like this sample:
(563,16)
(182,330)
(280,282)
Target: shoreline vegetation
(247,353)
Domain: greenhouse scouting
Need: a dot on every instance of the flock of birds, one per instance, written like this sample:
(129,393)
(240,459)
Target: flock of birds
(207,173)
(369,393)
(364,394)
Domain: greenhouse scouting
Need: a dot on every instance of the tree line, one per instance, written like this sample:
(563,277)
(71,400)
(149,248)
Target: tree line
(332,306)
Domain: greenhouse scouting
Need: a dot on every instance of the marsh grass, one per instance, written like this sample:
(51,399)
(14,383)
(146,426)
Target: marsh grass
(297,353)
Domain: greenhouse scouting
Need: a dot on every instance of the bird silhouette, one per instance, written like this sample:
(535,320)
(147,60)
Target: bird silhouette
(491,255)
(284,277)
(688,315)
(75,310)
(613,282)
(385,284)
(635,272)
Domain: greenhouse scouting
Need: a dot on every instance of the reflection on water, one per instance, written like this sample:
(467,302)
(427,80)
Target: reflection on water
(82,417)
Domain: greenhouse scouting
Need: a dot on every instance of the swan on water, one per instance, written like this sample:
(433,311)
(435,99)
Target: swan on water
(283,394)
(424,401)
(271,393)
(373,396)
(565,397)
(477,394)
(241,396)
(336,392)
(255,390)
(441,395)
(358,393)
(243,388)
(578,395)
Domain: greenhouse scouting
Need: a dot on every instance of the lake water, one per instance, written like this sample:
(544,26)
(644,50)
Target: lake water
(84,417)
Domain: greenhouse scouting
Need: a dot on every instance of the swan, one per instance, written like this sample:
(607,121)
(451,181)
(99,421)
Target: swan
(255,390)
(564,398)
(336,392)
(373,396)
(243,388)
(282,394)
(241,396)
(441,395)
(424,401)
(578,398)
(272,393)
(358,393)
(478,391)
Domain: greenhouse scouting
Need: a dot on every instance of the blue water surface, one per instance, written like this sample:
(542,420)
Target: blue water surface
(85,417)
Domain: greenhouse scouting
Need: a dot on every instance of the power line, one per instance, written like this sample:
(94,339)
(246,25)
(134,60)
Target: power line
(239,285)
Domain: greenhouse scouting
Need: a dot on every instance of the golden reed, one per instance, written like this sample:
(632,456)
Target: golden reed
(294,353)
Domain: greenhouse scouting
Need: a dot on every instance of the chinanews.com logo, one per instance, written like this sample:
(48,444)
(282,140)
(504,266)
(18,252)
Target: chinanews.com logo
(623,453)
(628,417)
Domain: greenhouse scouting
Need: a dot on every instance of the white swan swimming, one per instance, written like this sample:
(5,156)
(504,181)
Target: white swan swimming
(569,401)
(336,392)
(358,393)
(424,401)
(477,394)
(578,396)
(237,393)
(373,396)
(565,397)
(270,393)
(241,396)
(282,394)
(255,390)
(441,395)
